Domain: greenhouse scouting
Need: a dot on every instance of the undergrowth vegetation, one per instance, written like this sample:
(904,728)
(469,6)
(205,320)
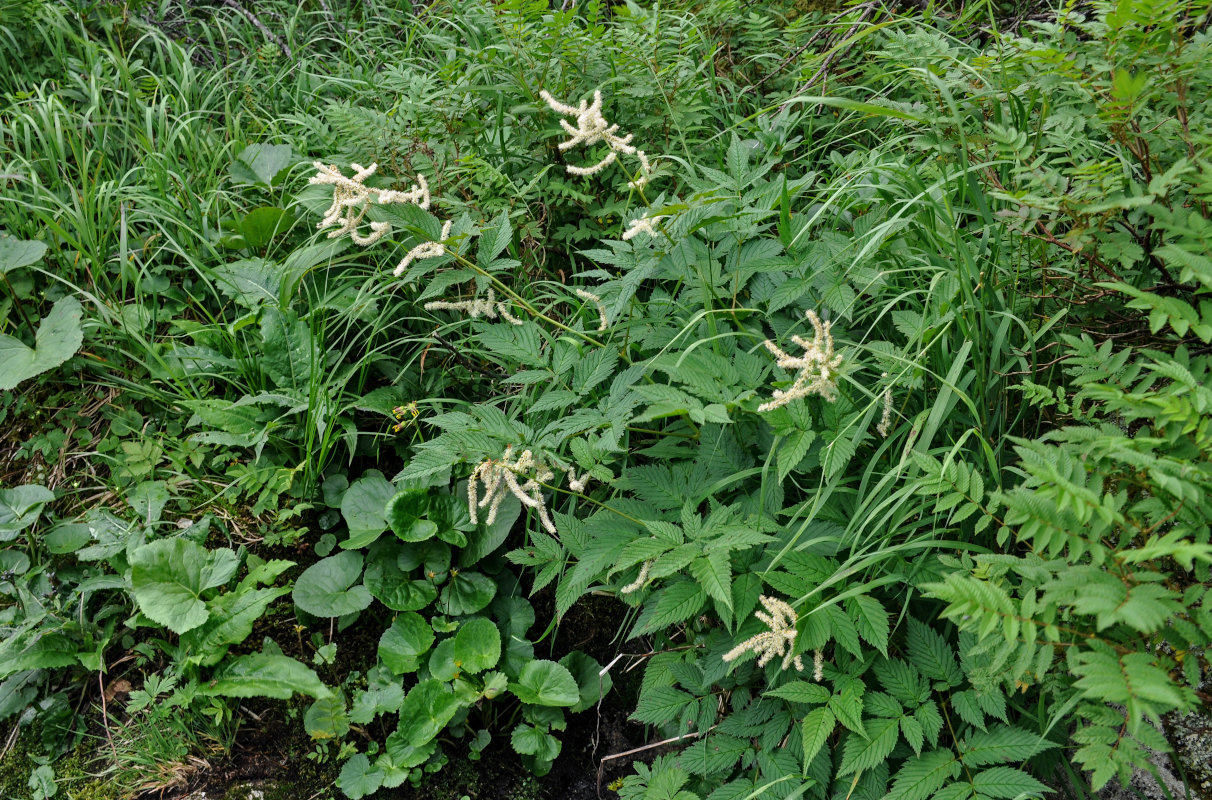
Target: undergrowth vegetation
(861,357)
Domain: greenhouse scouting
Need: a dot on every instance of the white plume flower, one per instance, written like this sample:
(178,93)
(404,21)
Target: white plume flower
(640,580)
(500,477)
(424,250)
(584,294)
(351,198)
(886,416)
(778,641)
(817,366)
(642,225)
(489,307)
(591,128)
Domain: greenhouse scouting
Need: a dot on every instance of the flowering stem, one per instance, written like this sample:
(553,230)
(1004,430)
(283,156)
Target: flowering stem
(517,298)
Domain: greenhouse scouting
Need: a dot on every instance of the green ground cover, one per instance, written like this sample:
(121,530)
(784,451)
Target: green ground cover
(408,400)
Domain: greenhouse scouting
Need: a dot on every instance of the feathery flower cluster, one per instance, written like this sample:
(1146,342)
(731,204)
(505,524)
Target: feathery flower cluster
(778,641)
(575,483)
(425,250)
(500,477)
(640,580)
(592,128)
(817,367)
(603,323)
(351,198)
(489,307)
(886,417)
(642,225)
(818,666)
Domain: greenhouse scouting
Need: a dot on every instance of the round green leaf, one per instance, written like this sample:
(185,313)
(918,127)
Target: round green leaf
(441,662)
(325,589)
(16,253)
(407,514)
(467,593)
(327,718)
(58,338)
(358,778)
(404,642)
(426,710)
(392,586)
(167,579)
(592,685)
(546,683)
(20,508)
(433,556)
(363,506)
(477,645)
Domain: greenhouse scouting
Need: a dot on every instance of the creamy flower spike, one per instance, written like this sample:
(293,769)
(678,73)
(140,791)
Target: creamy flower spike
(778,641)
(500,477)
(591,127)
(351,198)
(640,580)
(603,323)
(425,250)
(817,366)
(886,416)
(642,225)
(489,307)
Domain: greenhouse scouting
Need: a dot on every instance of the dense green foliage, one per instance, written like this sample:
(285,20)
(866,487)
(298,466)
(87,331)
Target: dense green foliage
(872,383)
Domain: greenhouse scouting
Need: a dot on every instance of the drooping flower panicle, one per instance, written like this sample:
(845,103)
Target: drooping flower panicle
(489,307)
(584,294)
(778,641)
(886,415)
(642,225)
(425,250)
(817,366)
(351,198)
(501,477)
(591,127)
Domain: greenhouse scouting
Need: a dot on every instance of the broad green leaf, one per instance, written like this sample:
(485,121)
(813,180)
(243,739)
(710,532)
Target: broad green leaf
(818,725)
(58,338)
(232,617)
(466,593)
(477,645)
(261,225)
(358,778)
(16,253)
(546,683)
(922,776)
(870,619)
(20,508)
(1007,783)
(325,589)
(593,685)
(363,507)
(265,675)
(261,163)
(529,740)
(859,754)
(801,692)
(407,512)
(251,282)
(426,710)
(327,718)
(168,577)
(403,643)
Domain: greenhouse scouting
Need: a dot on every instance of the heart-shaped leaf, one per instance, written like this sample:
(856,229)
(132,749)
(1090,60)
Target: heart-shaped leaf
(592,685)
(467,593)
(58,338)
(402,644)
(426,710)
(261,163)
(20,508)
(407,512)
(364,507)
(15,253)
(169,576)
(546,683)
(325,589)
(477,645)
